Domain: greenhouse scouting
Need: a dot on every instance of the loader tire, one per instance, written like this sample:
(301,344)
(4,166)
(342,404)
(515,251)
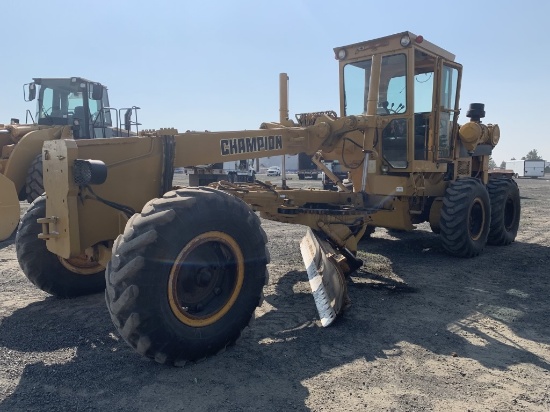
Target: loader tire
(34,182)
(57,276)
(505,211)
(465,218)
(187,275)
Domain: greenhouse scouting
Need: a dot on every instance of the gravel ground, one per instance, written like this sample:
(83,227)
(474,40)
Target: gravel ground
(425,332)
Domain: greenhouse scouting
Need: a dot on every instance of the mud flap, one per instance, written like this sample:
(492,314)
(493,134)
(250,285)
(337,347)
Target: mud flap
(9,208)
(326,278)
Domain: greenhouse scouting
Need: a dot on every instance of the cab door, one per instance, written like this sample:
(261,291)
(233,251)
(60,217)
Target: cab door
(446,116)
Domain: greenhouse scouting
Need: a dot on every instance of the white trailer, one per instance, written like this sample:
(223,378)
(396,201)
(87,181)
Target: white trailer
(526,168)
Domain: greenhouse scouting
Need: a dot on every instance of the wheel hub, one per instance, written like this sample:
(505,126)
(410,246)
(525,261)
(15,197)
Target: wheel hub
(476,219)
(205,279)
(82,265)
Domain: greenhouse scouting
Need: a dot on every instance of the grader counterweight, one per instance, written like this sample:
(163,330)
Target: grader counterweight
(183,279)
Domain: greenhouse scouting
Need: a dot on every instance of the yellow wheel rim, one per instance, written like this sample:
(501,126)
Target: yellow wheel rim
(476,219)
(81,265)
(206,279)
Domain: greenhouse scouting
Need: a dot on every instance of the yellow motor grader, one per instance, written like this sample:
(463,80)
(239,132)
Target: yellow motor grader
(67,108)
(185,266)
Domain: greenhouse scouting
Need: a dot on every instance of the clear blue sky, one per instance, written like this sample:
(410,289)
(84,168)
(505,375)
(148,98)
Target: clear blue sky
(214,64)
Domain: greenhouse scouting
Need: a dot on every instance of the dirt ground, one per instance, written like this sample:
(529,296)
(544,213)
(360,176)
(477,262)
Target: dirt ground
(425,332)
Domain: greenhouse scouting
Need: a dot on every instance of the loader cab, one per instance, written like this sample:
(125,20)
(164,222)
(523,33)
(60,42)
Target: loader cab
(76,102)
(412,85)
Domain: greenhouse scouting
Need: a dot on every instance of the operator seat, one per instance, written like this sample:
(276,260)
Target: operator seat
(80,133)
(79,113)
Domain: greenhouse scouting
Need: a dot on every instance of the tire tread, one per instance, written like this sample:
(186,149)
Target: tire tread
(130,256)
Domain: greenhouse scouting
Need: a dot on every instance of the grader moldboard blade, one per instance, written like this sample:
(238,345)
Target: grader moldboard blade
(9,208)
(326,278)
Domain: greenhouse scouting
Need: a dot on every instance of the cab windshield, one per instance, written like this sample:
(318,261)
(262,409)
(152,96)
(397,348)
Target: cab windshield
(391,100)
(61,100)
(392,92)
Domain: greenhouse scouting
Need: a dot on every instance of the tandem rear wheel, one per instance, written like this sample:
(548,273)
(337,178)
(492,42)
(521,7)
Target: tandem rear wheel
(465,218)
(505,211)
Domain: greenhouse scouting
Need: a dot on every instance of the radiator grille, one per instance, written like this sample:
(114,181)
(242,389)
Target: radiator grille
(463,168)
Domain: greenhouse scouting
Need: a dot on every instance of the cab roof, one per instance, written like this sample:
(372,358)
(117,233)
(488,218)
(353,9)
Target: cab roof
(391,43)
(39,80)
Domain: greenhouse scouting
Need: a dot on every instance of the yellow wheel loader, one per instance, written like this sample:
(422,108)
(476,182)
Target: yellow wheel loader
(185,266)
(67,108)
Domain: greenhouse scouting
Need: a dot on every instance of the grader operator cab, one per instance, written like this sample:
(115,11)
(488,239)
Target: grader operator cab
(185,273)
(67,108)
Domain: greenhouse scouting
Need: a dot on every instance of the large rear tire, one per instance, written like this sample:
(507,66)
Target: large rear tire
(187,275)
(505,211)
(465,218)
(60,277)
(34,182)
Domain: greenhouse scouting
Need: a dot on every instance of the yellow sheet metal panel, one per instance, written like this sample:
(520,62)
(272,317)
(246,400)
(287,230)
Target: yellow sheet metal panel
(9,208)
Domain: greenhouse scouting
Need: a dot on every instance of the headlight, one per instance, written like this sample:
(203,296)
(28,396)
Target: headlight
(89,172)
(405,40)
(341,54)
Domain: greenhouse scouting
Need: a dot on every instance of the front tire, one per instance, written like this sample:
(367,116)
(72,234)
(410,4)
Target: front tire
(187,275)
(505,211)
(465,218)
(59,277)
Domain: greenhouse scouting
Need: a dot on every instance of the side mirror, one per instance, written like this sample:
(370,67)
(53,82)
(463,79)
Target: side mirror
(97,91)
(31,92)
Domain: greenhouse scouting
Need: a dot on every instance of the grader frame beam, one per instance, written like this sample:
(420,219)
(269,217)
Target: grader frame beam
(137,167)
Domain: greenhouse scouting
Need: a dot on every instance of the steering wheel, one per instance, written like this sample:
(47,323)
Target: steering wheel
(94,117)
(384,105)
(45,113)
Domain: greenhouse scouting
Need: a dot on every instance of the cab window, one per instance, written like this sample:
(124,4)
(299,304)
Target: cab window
(392,93)
(356,87)
(424,73)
